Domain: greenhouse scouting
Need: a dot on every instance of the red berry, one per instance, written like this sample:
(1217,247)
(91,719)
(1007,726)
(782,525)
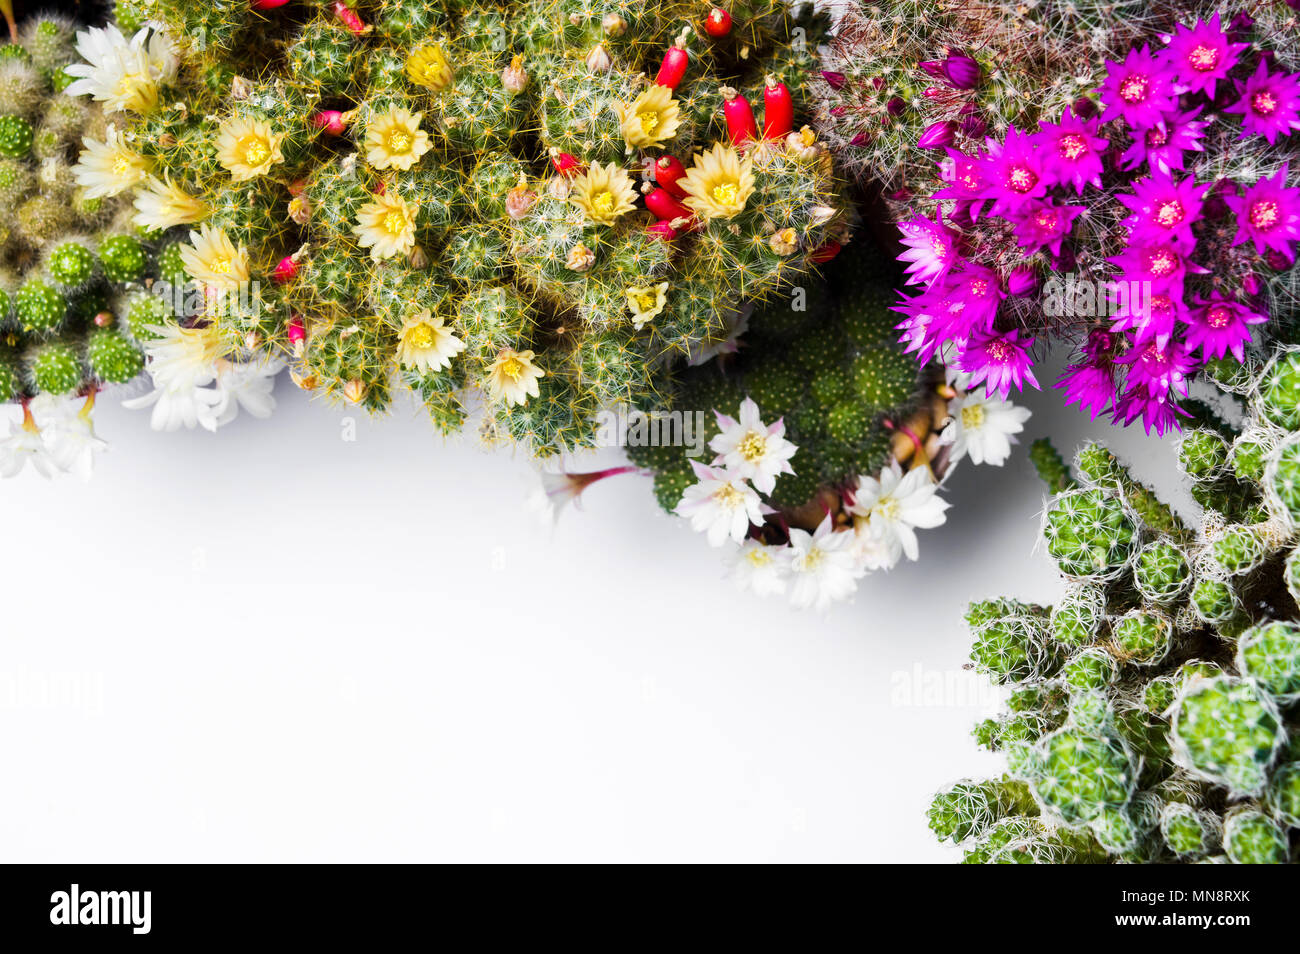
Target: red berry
(668,170)
(717,23)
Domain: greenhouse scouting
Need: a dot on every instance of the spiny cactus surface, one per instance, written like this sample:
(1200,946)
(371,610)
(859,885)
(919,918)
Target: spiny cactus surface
(548,204)
(1152,709)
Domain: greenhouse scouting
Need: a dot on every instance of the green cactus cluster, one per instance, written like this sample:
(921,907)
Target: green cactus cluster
(68,257)
(822,357)
(452,198)
(1151,715)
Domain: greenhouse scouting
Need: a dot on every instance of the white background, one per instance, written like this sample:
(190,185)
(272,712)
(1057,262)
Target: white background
(270,644)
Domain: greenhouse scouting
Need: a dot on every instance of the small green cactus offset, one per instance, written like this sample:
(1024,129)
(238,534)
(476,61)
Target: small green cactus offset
(62,338)
(1152,710)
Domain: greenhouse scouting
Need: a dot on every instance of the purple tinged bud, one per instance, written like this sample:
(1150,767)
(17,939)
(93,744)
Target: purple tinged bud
(838,111)
(932,92)
(974,126)
(1293,4)
(932,68)
(895,106)
(834,80)
(1276,260)
(1083,107)
(901,195)
(878,82)
(1241,24)
(1251,282)
(1022,282)
(962,71)
(937,135)
(861,139)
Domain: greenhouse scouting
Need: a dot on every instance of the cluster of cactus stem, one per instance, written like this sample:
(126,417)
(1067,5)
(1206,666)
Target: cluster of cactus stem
(822,357)
(500,199)
(893,70)
(1151,714)
(921,116)
(72,267)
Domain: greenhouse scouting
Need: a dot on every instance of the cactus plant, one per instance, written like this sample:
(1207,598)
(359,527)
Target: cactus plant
(1152,718)
(1119,176)
(79,305)
(547,203)
(812,443)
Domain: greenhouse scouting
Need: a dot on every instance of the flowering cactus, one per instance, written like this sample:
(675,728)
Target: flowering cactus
(820,445)
(545,203)
(83,281)
(1128,185)
(1151,711)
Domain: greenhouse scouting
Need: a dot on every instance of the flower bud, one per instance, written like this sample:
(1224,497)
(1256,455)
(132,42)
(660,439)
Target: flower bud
(937,135)
(598,60)
(514,78)
(834,80)
(518,201)
(1022,282)
(962,71)
(580,258)
(354,391)
(784,241)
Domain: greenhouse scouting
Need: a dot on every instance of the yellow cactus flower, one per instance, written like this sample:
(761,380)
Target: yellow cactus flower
(247,148)
(719,183)
(652,118)
(604,193)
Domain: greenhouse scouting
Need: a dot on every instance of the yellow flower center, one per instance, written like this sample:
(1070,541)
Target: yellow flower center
(813,558)
(394,223)
(221,265)
(254,149)
(603,201)
(808,136)
(512,367)
(729,497)
(399,141)
(725,193)
(129,84)
(972,416)
(121,166)
(753,446)
(759,557)
(887,508)
(649,121)
(422,337)
(645,301)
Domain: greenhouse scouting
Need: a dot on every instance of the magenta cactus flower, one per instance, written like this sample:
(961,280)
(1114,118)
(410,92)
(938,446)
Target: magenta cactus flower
(999,361)
(964,178)
(1201,55)
(931,248)
(1158,369)
(1268,214)
(1072,151)
(1013,172)
(1140,90)
(1158,414)
(937,135)
(1164,145)
(1044,224)
(1150,319)
(1269,104)
(1219,327)
(1090,381)
(1164,210)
